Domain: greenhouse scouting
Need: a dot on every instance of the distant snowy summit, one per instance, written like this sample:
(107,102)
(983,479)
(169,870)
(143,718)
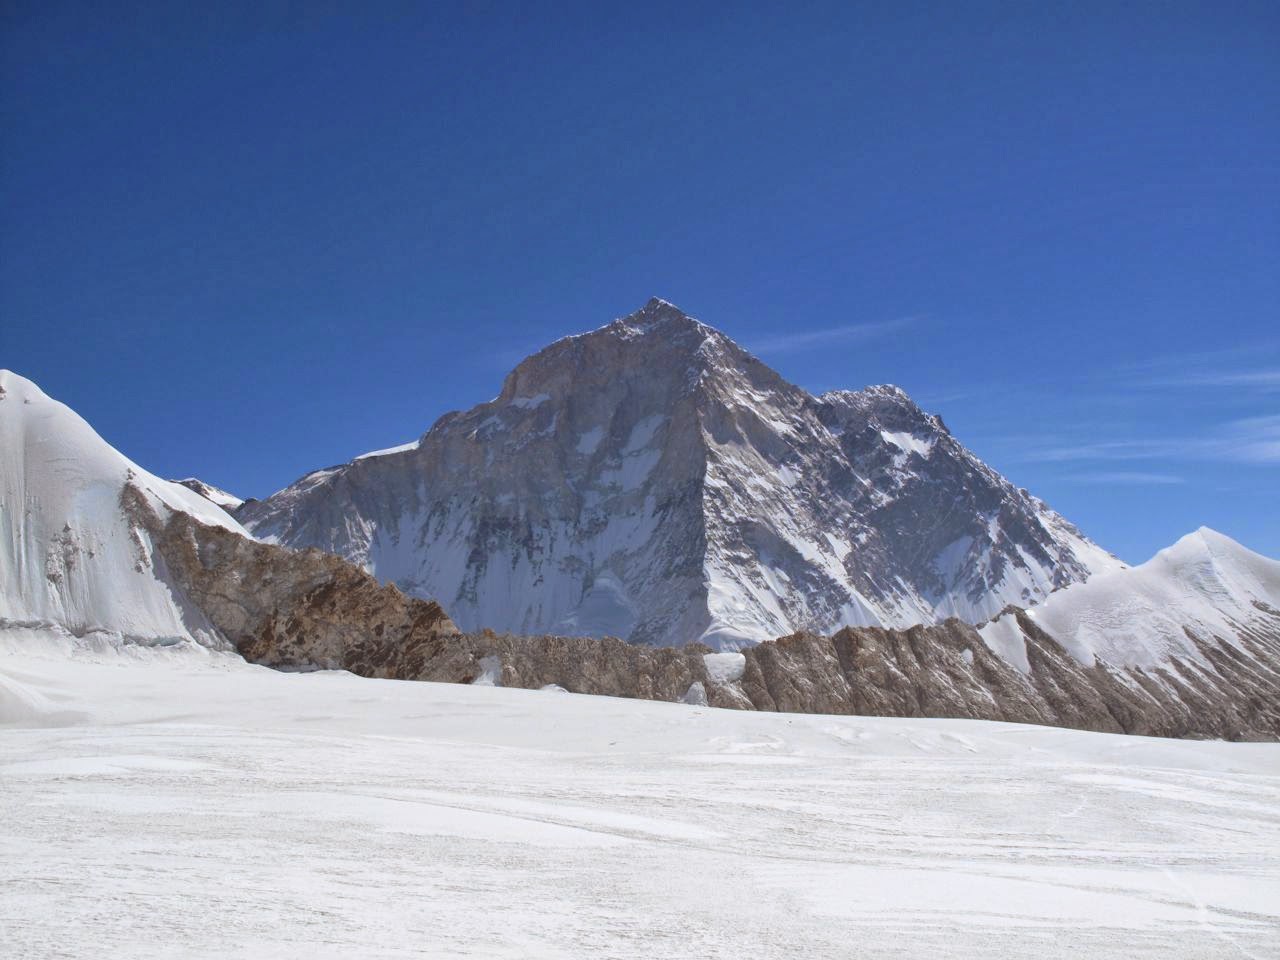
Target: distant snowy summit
(227,501)
(1180,607)
(654,481)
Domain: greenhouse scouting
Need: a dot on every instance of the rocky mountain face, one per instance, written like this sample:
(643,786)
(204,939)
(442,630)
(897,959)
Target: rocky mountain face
(651,480)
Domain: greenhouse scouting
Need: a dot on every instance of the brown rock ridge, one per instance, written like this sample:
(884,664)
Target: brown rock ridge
(308,609)
(286,608)
(948,671)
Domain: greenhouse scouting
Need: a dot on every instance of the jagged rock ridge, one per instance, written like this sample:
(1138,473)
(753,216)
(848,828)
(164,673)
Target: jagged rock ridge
(654,481)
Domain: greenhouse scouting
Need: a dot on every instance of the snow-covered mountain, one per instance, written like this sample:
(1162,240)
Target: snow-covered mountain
(654,481)
(93,546)
(71,559)
(1182,605)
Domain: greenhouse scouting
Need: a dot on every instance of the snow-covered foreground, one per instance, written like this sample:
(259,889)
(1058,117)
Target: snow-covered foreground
(179,803)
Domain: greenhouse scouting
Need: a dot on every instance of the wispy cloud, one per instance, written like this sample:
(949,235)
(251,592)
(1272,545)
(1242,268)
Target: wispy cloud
(934,398)
(810,339)
(1134,477)
(1264,379)
(1228,357)
(1254,439)
(1107,450)
(1250,440)
(1253,368)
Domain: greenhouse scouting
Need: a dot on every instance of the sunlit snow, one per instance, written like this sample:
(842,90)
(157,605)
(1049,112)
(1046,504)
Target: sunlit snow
(185,804)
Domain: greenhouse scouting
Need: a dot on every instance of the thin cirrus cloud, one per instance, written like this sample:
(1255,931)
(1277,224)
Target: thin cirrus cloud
(1250,368)
(810,339)
(1132,477)
(1267,379)
(1249,440)
(1255,439)
(1107,450)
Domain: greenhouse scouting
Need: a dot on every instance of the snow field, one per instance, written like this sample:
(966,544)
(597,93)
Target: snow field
(183,804)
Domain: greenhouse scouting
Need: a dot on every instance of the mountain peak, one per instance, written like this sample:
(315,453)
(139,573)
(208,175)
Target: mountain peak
(659,339)
(1198,542)
(1206,547)
(657,303)
(652,480)
(660,315)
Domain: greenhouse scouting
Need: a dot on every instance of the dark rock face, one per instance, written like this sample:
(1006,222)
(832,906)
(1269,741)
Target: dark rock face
(306,609)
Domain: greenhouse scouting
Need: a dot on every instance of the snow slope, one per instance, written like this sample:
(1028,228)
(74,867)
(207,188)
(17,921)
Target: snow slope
(192,806)
(1205,586)
(69,556)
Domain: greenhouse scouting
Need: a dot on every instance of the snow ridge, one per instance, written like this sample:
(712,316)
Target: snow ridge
(1203,590)
(71,560)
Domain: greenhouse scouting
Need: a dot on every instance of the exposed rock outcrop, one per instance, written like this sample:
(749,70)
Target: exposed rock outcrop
(947,670)
(287,608)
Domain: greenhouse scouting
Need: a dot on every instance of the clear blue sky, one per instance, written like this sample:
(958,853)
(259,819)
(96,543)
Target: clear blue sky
(245,242)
